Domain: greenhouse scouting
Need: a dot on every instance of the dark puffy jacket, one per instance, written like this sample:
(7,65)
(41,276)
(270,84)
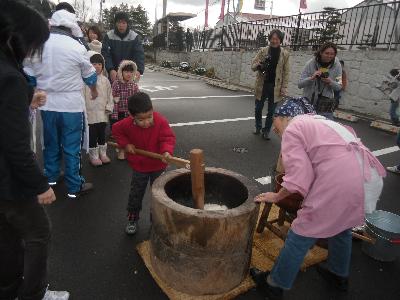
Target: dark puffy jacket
(115,50)
(21,179)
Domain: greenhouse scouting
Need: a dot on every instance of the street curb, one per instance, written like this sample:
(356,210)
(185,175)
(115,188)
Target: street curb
(385,126)
(176,73)
(345,116)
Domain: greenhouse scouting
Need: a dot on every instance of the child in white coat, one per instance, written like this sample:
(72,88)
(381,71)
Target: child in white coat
(97,112)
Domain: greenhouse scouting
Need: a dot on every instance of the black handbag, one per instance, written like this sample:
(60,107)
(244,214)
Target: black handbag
(322,104)
(325,104)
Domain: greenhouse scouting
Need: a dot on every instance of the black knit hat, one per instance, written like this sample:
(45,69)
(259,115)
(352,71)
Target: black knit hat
(66,6)
(121,16)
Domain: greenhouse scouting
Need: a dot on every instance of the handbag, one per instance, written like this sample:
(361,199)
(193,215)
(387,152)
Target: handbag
(322,104)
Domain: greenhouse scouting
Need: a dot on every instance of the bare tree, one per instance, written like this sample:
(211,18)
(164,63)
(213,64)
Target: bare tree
(82,10)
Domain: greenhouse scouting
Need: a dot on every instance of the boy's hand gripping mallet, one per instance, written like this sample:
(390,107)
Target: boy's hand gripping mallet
(195,165)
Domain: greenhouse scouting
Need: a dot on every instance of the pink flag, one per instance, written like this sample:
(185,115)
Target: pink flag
(303,4)
(222,14)
(206,16)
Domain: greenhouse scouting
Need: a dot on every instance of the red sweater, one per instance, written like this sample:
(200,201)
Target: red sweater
(158,138)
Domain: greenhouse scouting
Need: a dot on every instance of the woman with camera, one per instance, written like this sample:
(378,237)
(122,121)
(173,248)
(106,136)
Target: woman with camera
(272,67)
(321,76)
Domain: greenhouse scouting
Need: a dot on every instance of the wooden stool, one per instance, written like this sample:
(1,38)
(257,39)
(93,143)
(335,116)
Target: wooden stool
(287,210)
(282,217)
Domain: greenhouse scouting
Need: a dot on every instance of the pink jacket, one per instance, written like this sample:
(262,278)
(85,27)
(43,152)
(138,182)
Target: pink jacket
(322,166)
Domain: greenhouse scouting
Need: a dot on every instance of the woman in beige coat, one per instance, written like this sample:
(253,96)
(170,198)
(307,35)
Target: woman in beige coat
(272,67)
(97,111)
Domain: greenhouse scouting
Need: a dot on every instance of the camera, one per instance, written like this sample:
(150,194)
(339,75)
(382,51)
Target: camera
(324,74)
(264,66)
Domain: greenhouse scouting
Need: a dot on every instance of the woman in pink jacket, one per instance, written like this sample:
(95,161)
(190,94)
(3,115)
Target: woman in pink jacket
(340,181)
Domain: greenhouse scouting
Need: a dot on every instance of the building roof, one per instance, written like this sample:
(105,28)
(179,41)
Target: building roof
(254,17)
(178,16)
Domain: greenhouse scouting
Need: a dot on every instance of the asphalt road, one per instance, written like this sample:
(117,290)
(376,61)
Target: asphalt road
(93,258)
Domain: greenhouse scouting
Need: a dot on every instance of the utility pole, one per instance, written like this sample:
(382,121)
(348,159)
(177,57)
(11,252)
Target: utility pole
(101,11)
(272,7)
(164,8)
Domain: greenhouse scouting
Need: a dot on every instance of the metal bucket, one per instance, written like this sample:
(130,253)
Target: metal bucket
(385,228)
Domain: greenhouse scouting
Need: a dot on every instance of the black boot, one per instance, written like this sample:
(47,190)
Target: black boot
(341,283)
(257,131)
(268,291)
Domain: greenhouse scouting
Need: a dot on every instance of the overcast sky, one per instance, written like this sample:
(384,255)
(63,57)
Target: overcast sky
(280,7)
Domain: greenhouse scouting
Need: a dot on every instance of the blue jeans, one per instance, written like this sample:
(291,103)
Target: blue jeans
(295,249)
(62,135)
(267,94)
(398,144)
(393,107)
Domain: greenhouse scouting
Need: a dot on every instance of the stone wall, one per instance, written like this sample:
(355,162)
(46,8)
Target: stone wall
(366,70)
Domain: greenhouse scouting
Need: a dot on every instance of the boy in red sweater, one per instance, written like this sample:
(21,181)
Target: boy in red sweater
(146,130)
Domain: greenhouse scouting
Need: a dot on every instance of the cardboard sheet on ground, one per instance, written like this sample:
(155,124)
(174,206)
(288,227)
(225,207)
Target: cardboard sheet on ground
(266,248)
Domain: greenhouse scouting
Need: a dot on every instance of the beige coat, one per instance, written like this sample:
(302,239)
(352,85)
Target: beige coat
(282,73)
(98,109)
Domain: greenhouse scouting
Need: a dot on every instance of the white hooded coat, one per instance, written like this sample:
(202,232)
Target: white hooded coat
(98,109)
(63,68)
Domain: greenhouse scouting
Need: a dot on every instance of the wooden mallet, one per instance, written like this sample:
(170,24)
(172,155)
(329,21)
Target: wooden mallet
(195,165)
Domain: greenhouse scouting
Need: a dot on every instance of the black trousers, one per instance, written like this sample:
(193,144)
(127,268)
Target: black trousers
(24,246)
(97,134)
(138,189)
(267,94)
(121,116)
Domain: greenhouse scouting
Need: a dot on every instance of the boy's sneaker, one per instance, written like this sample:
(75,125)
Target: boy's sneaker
(131,227)
(86,188)
(56,295)
(341,283)
(394,169)
(268,291)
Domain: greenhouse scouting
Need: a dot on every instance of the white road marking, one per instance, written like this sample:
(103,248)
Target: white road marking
(385,151)
(175,80)
(211,122)
(157,88)
(203,97)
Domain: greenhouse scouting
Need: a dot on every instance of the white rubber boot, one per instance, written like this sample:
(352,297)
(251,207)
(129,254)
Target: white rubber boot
(94,157)
(103,154)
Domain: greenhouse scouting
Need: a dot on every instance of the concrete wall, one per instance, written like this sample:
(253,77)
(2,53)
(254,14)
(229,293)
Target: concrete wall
(366,70)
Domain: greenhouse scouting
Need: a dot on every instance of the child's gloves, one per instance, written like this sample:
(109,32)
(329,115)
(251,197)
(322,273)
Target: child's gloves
(130,149)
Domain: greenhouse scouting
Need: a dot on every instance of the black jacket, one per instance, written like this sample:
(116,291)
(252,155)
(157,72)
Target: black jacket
(21,179)
(115,50)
